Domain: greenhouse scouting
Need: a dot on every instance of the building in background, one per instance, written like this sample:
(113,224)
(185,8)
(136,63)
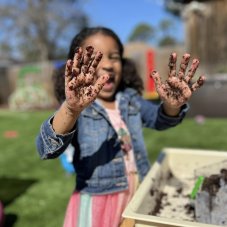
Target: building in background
(205,31)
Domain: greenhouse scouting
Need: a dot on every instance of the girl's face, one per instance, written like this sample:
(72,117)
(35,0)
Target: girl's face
(110,63)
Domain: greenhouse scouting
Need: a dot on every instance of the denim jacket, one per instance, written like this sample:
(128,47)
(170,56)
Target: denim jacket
(98,158)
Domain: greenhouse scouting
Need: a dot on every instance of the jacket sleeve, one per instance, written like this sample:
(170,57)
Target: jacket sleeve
(153,115)
(49,144)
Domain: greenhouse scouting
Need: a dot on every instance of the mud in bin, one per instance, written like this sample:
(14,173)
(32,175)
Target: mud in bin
(164,197)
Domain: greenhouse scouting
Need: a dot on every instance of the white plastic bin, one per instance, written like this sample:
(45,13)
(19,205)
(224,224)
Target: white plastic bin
(180,164)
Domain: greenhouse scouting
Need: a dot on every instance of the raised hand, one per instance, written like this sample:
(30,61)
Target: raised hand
(81,83)
(177,89)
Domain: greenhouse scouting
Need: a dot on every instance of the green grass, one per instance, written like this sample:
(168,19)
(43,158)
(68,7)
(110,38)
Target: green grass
(211,135)
(36,192)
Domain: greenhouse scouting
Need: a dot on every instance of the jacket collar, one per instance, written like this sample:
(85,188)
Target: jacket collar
(122,98)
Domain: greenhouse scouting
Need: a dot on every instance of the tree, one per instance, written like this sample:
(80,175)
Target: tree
(5,50)
(165,26)
(142,32)
(167,41)
(38,29)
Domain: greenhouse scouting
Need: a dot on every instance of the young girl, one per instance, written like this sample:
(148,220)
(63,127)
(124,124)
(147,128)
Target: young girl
(102,116)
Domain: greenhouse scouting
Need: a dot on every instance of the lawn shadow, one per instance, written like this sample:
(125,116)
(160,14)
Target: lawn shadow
(10,219)
(11,188)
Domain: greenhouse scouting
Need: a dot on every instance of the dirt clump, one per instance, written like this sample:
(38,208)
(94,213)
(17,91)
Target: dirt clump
(211,200)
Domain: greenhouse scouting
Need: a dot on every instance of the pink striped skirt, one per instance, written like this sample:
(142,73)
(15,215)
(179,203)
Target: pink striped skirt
(99,211)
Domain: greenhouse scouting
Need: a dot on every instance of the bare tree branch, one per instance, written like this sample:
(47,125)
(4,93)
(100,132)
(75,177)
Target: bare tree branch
(36,29)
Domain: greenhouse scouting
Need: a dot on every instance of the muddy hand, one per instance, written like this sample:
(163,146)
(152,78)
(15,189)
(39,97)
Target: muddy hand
(81,83)
(178,87)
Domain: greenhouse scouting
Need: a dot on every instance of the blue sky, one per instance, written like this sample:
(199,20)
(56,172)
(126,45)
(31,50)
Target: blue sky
(123,15)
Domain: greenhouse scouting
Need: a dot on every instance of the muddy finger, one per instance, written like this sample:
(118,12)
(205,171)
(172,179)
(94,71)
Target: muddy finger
(172,64)
(87,58)
(88,54)
(90,76)
(157,79)
(198,83)
(183,65)
(93,90)
(96,60)
(192,70)
(78,58)
(99,83)
(72,85)
(68,71)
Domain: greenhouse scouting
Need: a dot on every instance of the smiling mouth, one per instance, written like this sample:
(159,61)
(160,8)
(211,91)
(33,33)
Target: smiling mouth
(110,80)
(108,86)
